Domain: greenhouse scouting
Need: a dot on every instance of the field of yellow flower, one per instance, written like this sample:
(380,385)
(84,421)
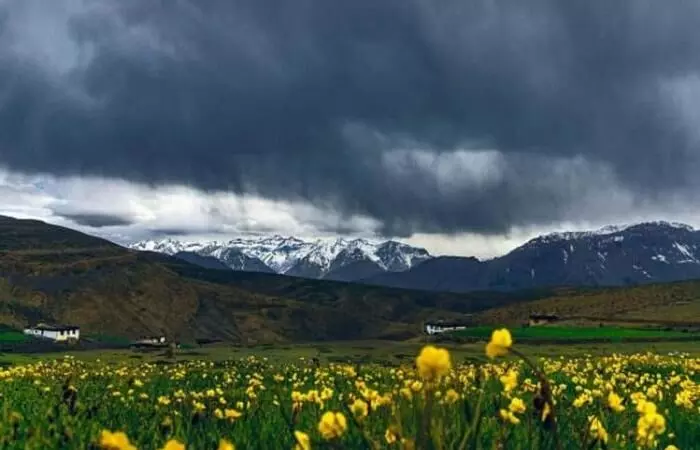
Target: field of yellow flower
(513,402)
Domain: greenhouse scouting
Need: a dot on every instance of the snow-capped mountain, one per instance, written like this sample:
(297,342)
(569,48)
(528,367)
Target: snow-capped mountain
(337,259)
(648,252)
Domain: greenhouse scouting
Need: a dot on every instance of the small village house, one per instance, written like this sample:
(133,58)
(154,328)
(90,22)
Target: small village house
(57,333)
(442,327)
(542,319)
(151,341)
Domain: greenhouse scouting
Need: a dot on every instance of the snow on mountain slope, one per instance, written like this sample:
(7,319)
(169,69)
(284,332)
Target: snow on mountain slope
(167,246)
(298,257)
(277,252)
(610,230)
(650,252)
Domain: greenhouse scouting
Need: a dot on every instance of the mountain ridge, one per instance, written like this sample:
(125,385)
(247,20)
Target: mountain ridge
(646,252)
(54,274)
(334,259)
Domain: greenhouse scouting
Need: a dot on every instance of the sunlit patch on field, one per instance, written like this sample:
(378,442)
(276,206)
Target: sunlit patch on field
(617,402)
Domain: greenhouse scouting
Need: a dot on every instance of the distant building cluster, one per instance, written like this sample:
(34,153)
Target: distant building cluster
(150,341)
(57,333)
(440,327)
(542,319)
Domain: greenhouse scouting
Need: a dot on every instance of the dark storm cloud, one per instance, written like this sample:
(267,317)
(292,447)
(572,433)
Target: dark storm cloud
(170,231)
(96,220)
(308,99)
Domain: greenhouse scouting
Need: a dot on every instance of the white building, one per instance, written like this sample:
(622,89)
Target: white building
(150,342)
(441,328)
(58,333)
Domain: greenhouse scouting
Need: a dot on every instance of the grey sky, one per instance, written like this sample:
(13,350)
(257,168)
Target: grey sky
(400,117)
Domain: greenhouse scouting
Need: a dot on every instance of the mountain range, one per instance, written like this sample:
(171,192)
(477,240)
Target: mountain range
(54,274)
(650,252)
(335,259)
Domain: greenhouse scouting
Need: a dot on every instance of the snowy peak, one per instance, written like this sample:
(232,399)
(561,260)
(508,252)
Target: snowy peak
(610,230)
(323,253)
(397,257)
(649,252)
(167,246)
(320,258)
(277,252)
(647,243)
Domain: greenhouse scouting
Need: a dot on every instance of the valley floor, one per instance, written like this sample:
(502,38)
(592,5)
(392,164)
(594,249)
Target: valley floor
(390,396)
(384,352)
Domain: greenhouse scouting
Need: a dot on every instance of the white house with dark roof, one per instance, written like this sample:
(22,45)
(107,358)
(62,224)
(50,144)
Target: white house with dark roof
(443,326)
(57,333)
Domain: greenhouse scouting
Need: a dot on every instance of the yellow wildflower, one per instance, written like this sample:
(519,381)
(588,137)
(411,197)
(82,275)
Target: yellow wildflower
(332,425)
(303,441)
(650,425)
(517,406)
(508,416)
(117,440)
(433,363)
(407,444)
(546,411)
(390,435)
(597,430)
(582,400)
(655,423)
(500,343)
(646,407)
(226,445)
(232,414)
(174,444)
(615,402)
(451,396)
(509,380)
(359,409)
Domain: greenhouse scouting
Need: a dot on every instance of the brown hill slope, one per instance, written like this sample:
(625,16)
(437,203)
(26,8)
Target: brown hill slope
(54,274)
(677,302)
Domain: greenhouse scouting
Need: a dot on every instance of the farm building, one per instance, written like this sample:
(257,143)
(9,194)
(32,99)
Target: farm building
(58,333)
(441,327)
(159,341)
(542,319)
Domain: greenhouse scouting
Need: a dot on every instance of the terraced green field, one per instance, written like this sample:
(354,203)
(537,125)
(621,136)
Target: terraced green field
(550,333)
(12,336)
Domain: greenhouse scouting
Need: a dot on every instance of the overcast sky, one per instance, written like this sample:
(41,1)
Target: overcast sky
(466,127)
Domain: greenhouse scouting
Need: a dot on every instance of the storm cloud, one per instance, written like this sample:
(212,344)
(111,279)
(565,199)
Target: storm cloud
(96,220)
(428,117)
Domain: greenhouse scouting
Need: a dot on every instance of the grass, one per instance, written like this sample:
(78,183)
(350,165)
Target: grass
(563,334)
(108,339)
(12,336)
(257,400)
(352,352)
